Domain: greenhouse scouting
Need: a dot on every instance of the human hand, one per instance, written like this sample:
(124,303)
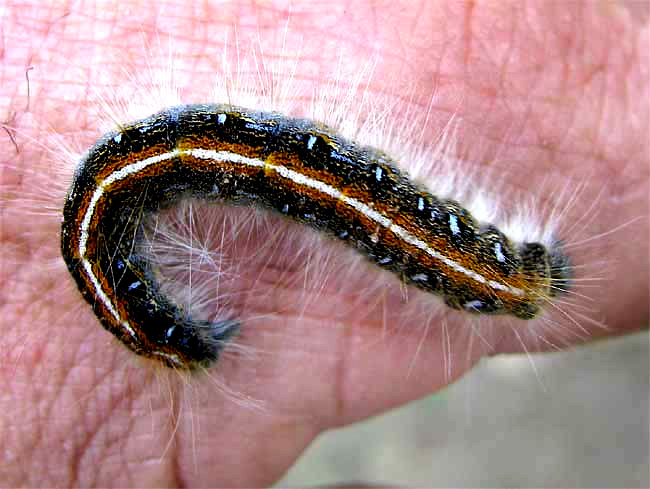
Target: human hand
(551,92)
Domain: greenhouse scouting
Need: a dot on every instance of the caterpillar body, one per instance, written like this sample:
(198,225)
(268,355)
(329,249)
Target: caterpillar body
(302,170)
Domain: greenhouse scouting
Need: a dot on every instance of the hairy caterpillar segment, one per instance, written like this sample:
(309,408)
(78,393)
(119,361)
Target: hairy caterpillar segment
(297,168)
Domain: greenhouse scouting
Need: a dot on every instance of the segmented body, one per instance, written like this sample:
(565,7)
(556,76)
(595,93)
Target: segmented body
(301,170)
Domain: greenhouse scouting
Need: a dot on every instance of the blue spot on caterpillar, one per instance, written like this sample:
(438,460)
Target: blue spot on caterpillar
(300,170)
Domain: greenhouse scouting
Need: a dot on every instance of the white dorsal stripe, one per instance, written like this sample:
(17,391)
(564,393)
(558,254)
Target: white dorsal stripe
(284,172)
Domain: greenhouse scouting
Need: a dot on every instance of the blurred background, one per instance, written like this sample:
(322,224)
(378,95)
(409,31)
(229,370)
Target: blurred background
(578,419)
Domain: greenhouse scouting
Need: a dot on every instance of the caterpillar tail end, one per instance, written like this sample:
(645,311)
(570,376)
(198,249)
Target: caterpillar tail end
(199,343)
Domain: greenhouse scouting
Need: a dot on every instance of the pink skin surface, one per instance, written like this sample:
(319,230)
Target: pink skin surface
(558,90)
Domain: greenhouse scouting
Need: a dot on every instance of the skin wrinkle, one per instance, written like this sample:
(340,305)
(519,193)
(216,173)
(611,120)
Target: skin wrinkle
(102,427)
(96,421)
(340,411)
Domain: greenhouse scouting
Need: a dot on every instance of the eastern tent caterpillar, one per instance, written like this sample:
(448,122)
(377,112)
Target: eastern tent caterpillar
(299,169)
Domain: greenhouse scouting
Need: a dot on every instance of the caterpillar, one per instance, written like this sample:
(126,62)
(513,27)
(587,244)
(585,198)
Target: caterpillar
(299,169)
